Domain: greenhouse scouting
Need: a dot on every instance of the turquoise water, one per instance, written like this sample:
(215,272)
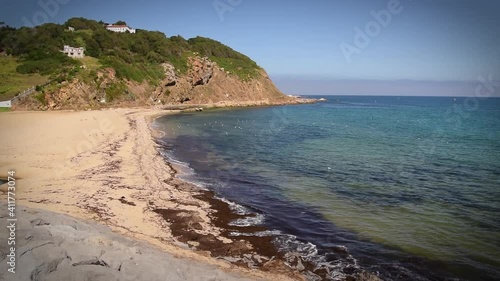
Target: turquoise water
(411,186)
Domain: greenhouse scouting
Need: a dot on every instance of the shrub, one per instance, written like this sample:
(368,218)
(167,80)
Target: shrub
(115,90)
(244,70)
(40,97)
(134,57)
(45,63)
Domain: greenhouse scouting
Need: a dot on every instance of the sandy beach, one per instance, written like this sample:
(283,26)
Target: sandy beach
(104,167)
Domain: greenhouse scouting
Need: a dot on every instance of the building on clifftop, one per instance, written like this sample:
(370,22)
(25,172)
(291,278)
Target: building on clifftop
(74,52)
(120,28)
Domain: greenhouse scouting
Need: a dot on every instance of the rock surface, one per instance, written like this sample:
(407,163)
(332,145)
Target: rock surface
(201,70)
(204,83)
(53,247)
(170,76)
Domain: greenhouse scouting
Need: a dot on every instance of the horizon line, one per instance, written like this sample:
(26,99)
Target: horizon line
(389,95)
(309,78)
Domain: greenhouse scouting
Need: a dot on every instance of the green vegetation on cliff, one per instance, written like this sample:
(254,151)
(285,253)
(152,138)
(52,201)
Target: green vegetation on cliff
(225,57)
(12,82)
(135,57)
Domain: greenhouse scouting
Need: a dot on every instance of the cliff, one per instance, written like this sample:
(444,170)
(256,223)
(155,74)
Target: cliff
(204,84)
(123,69)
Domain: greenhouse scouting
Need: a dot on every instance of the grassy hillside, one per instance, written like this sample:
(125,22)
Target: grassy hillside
(12,82)
(136,57)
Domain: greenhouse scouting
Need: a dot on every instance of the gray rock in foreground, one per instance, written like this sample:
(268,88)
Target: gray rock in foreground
(53,247)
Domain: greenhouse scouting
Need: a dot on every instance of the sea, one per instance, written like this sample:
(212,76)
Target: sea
(406,187)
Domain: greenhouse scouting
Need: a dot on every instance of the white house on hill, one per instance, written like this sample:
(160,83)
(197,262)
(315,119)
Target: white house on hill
(74,52)
(120,28)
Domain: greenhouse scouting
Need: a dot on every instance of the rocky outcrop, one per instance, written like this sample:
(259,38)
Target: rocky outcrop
(74,93)
(81,94)
(52,246)
(170,76)
(207,83)
(204,83)
(200,71)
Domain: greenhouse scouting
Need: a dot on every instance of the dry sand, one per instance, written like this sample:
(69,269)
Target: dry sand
(105,166)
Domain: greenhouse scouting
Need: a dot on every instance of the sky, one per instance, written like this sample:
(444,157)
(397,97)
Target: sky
(386,44)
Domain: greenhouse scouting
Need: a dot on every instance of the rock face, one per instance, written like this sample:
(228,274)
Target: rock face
(170,76)
(203,83)
(52,247)
(201,70)
(207,83)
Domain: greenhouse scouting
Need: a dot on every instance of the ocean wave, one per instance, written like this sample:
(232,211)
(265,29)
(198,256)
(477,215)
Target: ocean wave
(256,234)
(258,219)
(235,207)
(289,243)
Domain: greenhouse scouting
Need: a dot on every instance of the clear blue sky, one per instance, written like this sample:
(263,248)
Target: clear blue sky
(427,40)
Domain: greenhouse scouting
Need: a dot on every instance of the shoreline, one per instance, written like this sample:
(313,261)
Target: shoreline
(241,104)
(263,254)
(263,248)
(115,176)
(252,252)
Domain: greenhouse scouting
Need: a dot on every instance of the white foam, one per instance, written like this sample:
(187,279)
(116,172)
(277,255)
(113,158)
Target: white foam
(184,170)
(235,207)
(182,167)
(248,221)
(289,243)
(200,184)
(182,164)
(256,234)
(309,252)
